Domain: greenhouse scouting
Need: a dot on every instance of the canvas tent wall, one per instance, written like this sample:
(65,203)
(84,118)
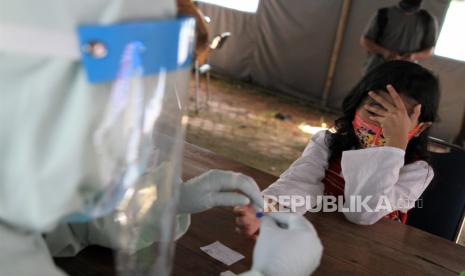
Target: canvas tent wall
(286,46)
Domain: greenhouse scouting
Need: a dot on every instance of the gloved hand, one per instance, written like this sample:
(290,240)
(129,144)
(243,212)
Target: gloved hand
(217,188)
(294,250)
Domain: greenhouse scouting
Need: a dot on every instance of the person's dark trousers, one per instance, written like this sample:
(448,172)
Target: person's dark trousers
(460,139)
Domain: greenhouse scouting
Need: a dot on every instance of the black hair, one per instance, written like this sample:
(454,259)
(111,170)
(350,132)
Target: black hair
(409,79)
(412,2)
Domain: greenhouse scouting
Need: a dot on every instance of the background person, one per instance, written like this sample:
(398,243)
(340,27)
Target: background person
(404,32)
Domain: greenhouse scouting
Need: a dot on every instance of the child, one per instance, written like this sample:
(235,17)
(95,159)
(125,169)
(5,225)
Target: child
(378,149)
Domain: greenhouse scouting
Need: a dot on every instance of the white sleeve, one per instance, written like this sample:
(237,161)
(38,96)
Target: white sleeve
(68,240)
(25,253)
(304,176)
(380,173)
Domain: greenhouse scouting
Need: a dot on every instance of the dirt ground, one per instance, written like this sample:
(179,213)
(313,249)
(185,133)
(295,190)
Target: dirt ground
(240,123)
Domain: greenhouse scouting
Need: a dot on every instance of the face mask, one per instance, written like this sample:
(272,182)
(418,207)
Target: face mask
(410,5)
(370,135)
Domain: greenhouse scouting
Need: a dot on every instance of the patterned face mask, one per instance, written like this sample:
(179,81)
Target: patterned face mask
(370,135)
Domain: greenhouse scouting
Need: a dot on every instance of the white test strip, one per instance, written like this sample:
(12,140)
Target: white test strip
(222,253)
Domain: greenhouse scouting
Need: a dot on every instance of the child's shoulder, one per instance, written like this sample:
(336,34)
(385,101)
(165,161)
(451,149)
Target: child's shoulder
(320,135)
(318,139)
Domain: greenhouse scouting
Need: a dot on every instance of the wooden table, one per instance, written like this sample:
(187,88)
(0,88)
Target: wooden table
(387,247)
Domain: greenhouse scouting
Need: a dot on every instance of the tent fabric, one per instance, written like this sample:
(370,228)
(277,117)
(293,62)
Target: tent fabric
(280,47)
(451,74)
(291,50)
(234,58)
(286,47)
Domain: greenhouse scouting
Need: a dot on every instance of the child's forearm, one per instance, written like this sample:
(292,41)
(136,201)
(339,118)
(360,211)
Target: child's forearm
(378,176)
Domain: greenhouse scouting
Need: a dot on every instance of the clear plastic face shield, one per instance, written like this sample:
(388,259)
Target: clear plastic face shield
(139,140)
(105,149)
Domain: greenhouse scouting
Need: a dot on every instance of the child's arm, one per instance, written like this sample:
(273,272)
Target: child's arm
(381,174)
(304,176)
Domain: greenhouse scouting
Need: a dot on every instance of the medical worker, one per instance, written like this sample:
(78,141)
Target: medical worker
(70,169)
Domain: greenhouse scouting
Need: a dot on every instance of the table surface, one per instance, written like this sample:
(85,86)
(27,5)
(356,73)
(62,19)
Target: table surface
(387,247)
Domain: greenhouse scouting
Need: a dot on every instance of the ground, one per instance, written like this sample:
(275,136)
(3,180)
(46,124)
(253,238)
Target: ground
(240,123)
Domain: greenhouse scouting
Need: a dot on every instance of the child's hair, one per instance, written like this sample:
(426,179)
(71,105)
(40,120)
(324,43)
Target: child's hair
(408,79)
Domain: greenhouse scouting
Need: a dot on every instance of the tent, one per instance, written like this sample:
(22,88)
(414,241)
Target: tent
(290,46)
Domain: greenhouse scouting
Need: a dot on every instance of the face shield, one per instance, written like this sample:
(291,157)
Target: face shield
(105,141)
(146,117)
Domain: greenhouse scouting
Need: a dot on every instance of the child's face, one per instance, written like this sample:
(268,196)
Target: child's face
(365,114)
(372,136)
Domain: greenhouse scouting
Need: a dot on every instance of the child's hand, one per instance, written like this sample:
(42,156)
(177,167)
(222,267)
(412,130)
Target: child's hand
(246,221)
(393,118)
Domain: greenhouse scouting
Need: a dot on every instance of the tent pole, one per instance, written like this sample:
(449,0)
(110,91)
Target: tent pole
(336,50)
